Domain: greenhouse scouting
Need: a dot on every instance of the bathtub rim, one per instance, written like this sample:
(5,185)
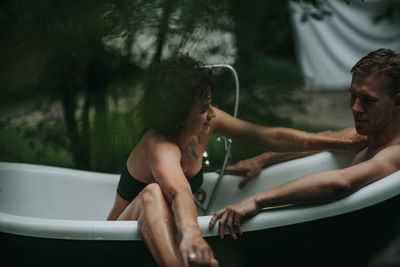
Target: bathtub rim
(377,192)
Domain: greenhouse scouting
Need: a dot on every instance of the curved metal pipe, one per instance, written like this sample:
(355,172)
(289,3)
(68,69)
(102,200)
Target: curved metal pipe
(228,141)
(235,76)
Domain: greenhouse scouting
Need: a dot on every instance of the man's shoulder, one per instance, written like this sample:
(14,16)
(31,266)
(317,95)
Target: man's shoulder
(389,154)
(388,158)
(392,153)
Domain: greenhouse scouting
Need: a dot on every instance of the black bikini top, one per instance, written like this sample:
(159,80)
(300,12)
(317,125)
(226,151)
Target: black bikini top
(128,187)
(196,181)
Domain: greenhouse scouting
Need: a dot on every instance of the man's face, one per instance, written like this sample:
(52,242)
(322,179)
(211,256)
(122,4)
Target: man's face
(371,104)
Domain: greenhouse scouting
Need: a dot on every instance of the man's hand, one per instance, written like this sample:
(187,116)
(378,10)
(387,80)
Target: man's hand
(249,168)
(252,167)
(232,215)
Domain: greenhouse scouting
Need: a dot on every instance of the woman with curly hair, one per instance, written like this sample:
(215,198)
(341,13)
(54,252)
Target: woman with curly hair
(165,167)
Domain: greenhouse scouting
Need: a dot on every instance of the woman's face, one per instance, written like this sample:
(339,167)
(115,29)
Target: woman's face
(198,120)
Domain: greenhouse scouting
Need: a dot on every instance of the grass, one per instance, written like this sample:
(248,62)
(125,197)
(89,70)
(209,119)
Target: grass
(16,146)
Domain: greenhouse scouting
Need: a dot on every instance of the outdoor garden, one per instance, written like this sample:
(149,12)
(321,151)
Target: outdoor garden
(71,72)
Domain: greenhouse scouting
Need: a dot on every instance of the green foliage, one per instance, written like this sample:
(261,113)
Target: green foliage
(46,142)
(111,158)
(25,144)
(84,54)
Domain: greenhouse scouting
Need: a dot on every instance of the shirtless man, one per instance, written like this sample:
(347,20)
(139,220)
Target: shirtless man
(375,103)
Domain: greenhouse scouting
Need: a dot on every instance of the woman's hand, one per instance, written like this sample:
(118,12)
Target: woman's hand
(196,252)
(355,141)
(232,215)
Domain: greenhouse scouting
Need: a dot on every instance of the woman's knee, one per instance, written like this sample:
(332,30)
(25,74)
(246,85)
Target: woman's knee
(151,198)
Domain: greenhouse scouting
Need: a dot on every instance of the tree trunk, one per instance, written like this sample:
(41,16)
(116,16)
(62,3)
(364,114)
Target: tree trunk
(78,148)
(102,139)
(163,29)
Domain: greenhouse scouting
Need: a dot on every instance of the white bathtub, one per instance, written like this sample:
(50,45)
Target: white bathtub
(65,204)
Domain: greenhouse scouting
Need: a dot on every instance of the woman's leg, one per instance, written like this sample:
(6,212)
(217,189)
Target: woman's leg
(154,217)
(119,206)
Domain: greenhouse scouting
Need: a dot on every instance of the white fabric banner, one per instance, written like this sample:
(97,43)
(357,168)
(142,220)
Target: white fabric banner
(329,48)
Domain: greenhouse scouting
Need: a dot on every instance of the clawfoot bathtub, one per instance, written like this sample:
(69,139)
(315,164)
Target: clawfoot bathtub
(56,216)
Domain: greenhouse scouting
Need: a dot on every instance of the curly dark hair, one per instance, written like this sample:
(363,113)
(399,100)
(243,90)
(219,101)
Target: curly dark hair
(170,89)
(384,62)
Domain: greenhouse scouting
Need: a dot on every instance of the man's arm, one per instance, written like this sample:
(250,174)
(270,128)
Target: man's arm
(251,168)
(314,188)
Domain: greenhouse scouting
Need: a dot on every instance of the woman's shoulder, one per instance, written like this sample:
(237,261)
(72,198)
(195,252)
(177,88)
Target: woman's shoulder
(153,137)
(152,148)
(154,142)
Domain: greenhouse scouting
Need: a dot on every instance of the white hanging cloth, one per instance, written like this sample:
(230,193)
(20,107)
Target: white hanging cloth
(327,49)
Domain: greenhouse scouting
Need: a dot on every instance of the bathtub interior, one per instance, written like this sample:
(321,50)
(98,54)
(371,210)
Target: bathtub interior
(66,194)
(271,176)
(55,193)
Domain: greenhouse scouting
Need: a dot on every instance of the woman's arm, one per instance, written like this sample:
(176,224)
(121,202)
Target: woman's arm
(280,139)
(342,133)
(164,160)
